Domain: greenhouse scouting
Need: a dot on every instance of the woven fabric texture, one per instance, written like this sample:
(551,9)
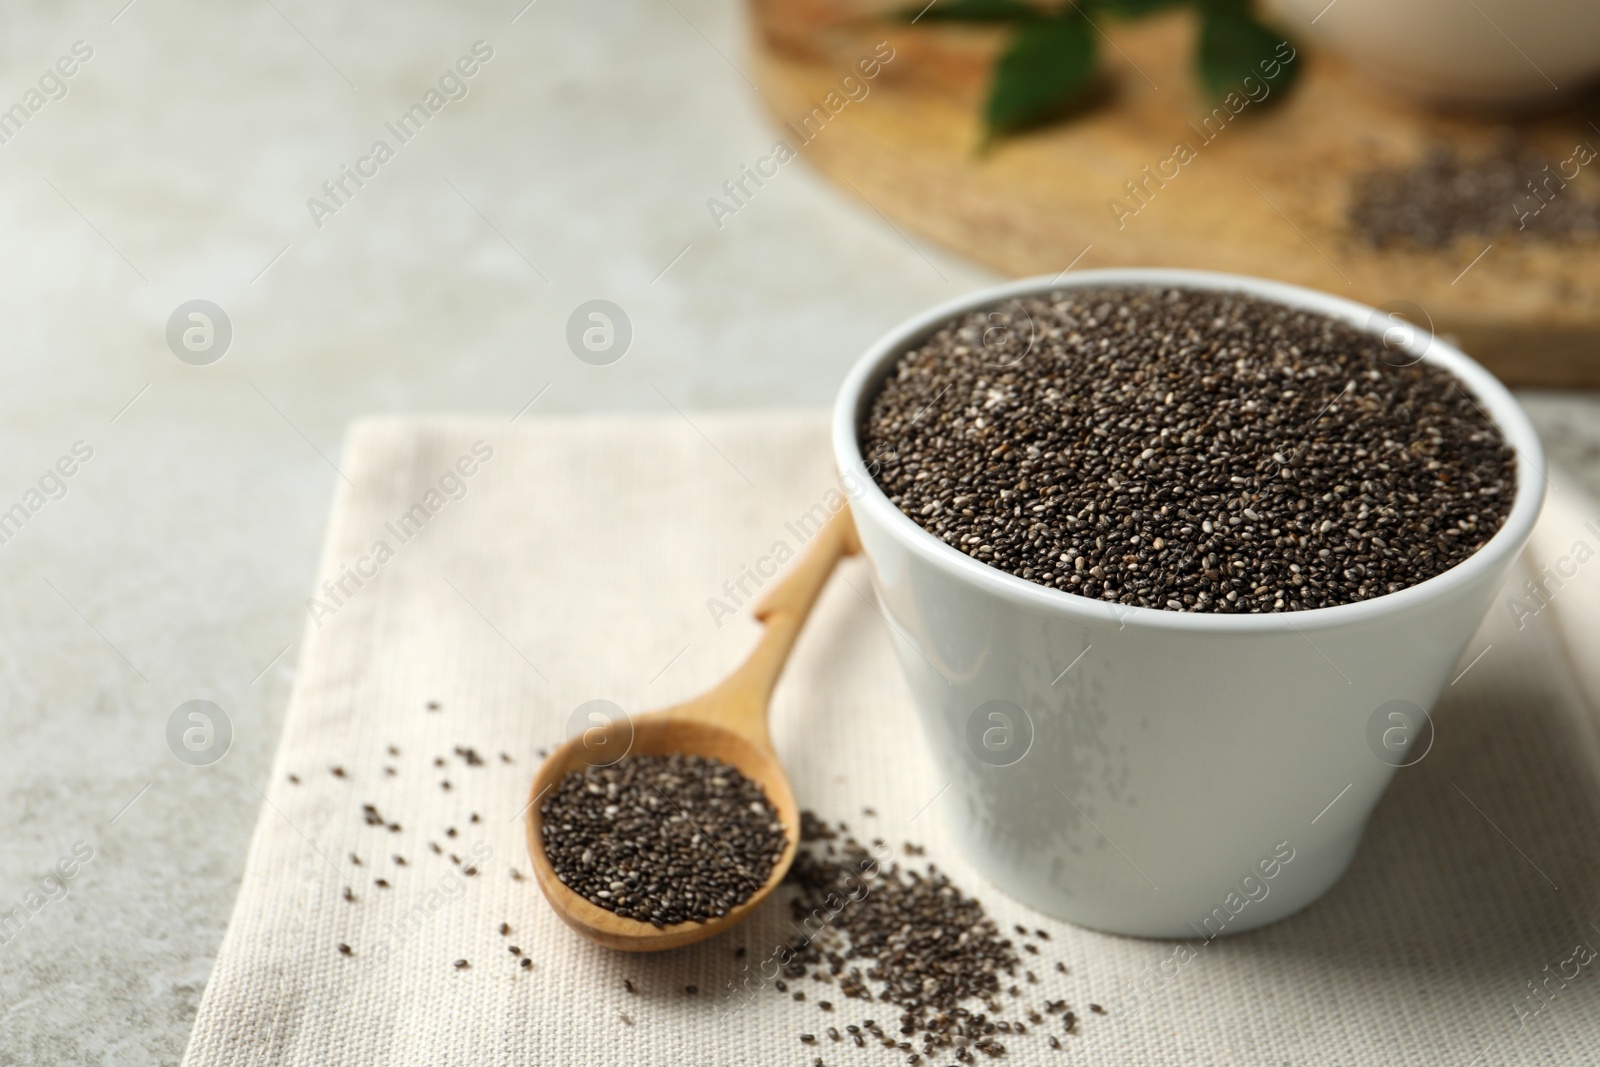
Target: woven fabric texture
(510,574)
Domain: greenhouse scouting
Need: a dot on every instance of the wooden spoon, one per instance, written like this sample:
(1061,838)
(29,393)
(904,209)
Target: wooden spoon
(729,723)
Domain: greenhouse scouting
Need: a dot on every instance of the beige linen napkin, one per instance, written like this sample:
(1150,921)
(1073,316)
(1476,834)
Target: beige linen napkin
(513,573)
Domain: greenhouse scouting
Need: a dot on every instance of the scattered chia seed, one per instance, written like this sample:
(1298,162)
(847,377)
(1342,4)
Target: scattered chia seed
(1189,451)
(433,705)
(928,947)
(710,831)
(662,839)
(338,772)
(1513,188)
(906,938)
(294,779)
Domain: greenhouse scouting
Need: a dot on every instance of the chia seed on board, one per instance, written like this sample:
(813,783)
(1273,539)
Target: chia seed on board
(1188,450)
(662,839)
(1514,188)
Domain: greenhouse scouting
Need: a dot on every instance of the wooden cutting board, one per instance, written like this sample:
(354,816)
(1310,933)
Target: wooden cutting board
(1264,194)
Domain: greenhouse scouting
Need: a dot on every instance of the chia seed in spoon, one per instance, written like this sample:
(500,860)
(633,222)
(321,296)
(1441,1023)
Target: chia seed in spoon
(662,839)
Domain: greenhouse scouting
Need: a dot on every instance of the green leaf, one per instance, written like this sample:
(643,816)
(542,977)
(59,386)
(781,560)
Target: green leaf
(972,11)
(1044,71)
(1234,46)
(1132,9)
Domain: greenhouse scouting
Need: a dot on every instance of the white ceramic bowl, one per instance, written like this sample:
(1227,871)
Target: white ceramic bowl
(1162,773)
(1510,52)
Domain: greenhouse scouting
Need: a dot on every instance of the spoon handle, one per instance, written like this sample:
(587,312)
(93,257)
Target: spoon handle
(783,610)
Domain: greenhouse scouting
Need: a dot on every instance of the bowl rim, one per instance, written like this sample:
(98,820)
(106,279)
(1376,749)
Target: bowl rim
(861,383)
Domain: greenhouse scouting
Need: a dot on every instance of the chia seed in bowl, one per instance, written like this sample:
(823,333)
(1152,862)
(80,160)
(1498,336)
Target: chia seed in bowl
(1187,449)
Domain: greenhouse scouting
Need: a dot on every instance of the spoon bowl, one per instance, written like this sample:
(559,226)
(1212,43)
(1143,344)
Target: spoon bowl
(658,734)
(728,723)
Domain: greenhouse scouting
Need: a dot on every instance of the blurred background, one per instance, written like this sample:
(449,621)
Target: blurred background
(203,152)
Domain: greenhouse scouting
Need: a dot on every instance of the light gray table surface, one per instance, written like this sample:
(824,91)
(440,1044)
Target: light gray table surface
(178,165)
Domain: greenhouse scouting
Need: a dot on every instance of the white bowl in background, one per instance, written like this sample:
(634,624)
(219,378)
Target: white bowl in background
(1163,773)
(1495,52)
